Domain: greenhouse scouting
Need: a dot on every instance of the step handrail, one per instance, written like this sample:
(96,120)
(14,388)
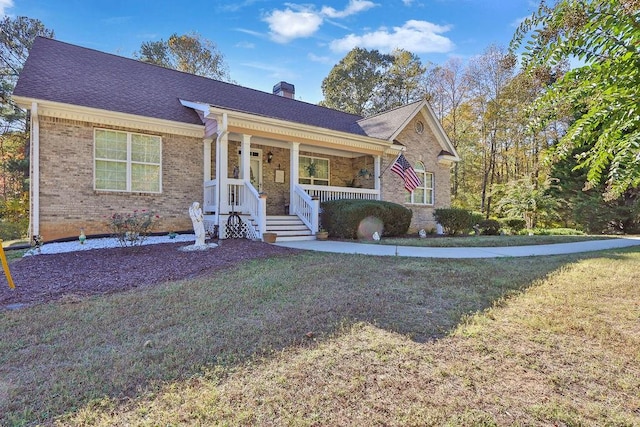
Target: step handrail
(306,208)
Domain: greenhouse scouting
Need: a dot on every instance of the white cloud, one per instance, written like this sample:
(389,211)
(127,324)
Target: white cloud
(5,4)
(245,45)
(320,59)
(407,2)
(286,25)
(414,36)
(354,6)
(273,71)
(299,21)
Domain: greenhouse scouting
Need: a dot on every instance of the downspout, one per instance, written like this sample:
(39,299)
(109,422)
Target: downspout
(34,187)
(222,132)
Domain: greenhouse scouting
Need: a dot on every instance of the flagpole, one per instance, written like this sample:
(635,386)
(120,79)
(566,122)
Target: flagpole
(394,160)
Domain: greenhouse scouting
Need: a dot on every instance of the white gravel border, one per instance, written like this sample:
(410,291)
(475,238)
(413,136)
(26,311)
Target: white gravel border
(102,243)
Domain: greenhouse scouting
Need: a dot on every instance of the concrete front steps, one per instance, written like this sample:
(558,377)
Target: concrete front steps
(288,228)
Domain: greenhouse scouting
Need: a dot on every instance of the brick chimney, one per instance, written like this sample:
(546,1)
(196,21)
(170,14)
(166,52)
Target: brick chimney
(284,89)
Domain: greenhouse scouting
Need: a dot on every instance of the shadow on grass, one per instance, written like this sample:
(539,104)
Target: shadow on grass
(57,357)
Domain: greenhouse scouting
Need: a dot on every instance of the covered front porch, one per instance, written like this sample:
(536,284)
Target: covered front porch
(278,187)
(270,171)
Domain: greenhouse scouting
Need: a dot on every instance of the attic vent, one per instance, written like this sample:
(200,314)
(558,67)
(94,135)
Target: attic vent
(284,89)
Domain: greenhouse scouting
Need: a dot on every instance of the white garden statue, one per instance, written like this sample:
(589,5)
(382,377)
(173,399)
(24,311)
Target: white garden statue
(197,218)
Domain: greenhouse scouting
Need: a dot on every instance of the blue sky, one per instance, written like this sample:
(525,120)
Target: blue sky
(266,41)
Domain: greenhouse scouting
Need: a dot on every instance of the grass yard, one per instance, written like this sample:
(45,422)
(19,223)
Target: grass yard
(484,241)
(327,339)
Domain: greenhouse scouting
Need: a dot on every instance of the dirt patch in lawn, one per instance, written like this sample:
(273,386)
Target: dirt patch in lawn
(44,278)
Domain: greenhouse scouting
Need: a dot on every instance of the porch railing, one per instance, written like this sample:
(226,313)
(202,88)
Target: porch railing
(324,193)
(242,197)
(210,196)
(307,208)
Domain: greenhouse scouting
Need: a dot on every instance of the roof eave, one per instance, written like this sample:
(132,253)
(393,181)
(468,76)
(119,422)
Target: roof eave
(293,131)
(110,118)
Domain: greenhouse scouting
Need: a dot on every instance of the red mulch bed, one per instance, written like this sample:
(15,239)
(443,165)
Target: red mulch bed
(43,278)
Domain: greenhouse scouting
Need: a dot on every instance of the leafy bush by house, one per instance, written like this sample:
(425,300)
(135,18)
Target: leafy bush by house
(341,218)
(489,227)
(13,230)
(515,225)
(553,232)
(455,220)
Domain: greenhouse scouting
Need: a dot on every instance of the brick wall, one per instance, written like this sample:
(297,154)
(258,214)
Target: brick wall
(68,201)
(419,147)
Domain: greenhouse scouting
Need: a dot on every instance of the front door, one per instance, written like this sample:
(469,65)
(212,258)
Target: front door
(255,165)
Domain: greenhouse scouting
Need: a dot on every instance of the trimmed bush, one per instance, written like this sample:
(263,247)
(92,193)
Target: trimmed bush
(553,232)
(341,218)
(489,227)
(514,224)
(454,220)
(13,230)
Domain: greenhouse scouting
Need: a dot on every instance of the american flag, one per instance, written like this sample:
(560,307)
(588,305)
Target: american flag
(403,168)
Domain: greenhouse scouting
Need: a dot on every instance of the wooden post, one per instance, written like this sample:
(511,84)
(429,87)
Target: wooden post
(5,266)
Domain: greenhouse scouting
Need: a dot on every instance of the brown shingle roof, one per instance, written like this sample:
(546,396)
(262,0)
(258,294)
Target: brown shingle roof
(65,73)
(386,125)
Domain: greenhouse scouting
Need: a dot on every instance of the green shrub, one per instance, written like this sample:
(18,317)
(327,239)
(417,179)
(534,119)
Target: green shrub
(132,229)
(515,225)
(13,230)
(489,227)
(553,232)
(454,220)
(341,218)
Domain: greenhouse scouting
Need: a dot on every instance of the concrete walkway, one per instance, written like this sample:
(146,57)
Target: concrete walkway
(506,251)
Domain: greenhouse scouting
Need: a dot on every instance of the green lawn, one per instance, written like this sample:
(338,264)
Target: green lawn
(328,339)
(484,241)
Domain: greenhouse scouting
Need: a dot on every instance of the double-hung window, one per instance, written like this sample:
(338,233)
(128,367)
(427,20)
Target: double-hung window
(422,195)
(313,170)
(126,161)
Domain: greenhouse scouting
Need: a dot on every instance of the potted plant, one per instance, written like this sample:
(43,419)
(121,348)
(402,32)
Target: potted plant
(311,169)
(269,237)
(322,234)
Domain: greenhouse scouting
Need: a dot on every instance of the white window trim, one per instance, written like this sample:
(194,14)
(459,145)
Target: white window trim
(313,179)
(422,174)
(128,161)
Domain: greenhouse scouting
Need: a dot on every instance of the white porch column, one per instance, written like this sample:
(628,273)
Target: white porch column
(207,159)
(376,175)
(294,161)
(245,158)
(223,175)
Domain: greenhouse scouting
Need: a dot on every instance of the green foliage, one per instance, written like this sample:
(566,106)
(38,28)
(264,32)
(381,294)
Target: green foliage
(16,38)
(515,225)
(603,94)
(367,82)
(13,230)
(455,220)
(552,232)
(341,218)
(352,83)
(586,208)
(133,228)
(190,53)
(523,198)
(489,227)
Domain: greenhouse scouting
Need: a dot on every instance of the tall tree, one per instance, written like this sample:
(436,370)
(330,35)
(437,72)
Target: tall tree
(489,76)
(603,93)
(448,90)
(403,82)
(190,53)
(17,35)
(354,83)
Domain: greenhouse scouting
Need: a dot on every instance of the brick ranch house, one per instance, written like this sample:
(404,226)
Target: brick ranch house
(112,135)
